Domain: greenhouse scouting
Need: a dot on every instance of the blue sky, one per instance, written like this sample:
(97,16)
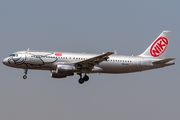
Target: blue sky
(91,27)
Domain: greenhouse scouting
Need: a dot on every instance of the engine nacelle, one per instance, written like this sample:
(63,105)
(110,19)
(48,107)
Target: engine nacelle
(56,75)
(65,69)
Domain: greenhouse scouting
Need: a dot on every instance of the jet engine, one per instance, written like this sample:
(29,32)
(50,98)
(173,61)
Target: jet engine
(62,71)
(65,69)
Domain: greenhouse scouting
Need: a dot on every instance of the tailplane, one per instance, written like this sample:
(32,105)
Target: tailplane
(159,47)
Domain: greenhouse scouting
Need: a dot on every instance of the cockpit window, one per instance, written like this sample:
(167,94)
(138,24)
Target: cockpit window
(14,55)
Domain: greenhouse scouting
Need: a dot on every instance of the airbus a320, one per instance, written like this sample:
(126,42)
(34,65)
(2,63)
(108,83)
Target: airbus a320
(63,64)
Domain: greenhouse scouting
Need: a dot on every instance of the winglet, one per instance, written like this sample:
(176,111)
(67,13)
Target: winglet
(115,52)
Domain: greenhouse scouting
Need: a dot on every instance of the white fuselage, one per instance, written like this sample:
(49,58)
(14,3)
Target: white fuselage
(49,61)
(62,64)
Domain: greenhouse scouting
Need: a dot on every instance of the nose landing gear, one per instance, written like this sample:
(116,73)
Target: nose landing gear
(25,71)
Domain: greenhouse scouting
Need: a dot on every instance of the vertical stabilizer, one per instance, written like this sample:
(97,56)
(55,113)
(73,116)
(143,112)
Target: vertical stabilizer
(159,47)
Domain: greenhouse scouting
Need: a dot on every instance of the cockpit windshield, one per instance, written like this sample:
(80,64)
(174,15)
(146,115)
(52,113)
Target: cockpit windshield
(13,55)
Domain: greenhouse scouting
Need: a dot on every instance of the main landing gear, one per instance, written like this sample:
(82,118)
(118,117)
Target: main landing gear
(25,71)
(84,79)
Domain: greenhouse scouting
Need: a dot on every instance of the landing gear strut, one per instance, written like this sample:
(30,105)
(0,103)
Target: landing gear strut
(84,79)
(25,71)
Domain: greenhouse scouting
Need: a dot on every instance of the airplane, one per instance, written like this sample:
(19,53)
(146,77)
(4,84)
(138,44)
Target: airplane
(63,64)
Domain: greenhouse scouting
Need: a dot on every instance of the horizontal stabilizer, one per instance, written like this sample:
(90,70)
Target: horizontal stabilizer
(163,61)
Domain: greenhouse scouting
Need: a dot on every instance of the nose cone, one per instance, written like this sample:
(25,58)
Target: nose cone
(5,61)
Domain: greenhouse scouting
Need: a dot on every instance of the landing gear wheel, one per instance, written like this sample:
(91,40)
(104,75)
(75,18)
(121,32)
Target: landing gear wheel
(24,76)
(81,81)
(25,71)
(85,78)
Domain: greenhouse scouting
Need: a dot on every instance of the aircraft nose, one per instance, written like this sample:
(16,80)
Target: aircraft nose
(5,61)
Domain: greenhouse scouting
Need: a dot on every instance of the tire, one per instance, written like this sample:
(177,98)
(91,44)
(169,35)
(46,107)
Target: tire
(81,81)
(86,78)
(24,77)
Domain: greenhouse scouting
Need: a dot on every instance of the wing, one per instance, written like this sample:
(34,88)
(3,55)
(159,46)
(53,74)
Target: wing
(89,63)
